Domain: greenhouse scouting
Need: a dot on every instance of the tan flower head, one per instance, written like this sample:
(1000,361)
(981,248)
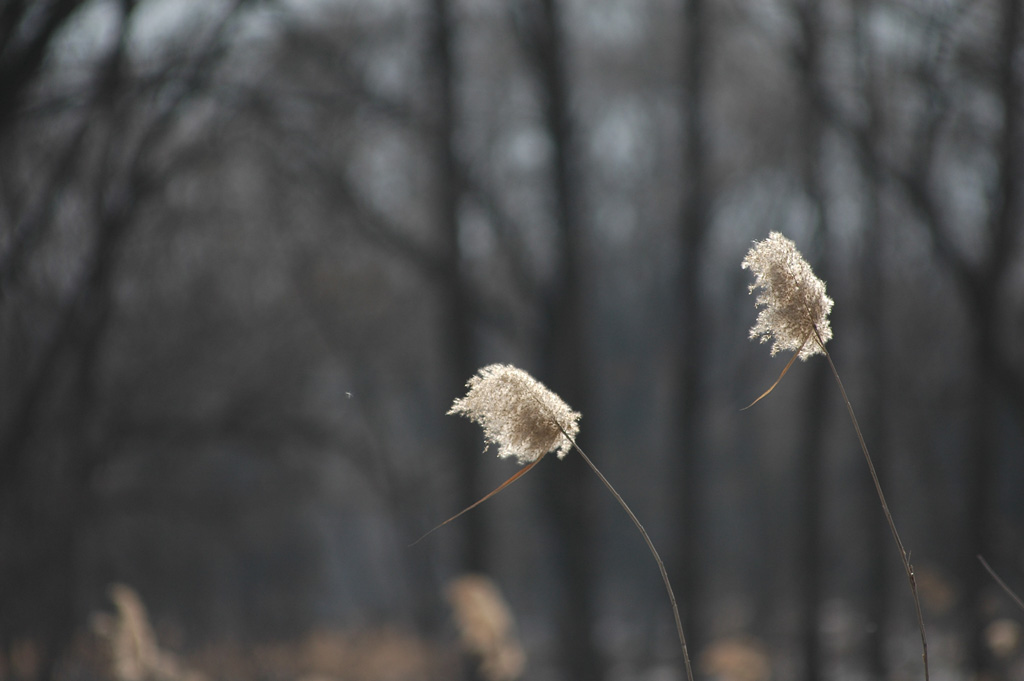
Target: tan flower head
(792,300)
(486,626)
(518,413)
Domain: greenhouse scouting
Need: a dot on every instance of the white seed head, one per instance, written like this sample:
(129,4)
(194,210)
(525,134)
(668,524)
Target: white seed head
(519,414)
(792,300)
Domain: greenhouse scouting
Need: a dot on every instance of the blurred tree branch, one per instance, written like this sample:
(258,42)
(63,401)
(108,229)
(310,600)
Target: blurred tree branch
(27,28)
(981,281)
(112,158)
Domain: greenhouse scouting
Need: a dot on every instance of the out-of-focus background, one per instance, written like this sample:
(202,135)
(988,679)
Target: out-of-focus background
(250,251)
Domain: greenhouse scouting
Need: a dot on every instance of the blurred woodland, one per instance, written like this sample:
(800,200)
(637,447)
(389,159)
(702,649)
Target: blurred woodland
(251,250)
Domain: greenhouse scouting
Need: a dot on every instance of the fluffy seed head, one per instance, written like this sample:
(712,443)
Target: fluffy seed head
(518,413)
(792,300)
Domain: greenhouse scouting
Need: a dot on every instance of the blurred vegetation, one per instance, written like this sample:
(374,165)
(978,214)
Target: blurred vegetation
(250,250)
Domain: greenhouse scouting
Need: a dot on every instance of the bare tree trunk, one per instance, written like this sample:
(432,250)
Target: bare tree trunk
(458,321)
(876,393)
(811,446)
(45,495)
(873,315)
(458,310)
(982,282)
(981,495)
(694,227)
(982,461)
(72,510)
(569,485)
(809,488)
(26,32)
(52,589)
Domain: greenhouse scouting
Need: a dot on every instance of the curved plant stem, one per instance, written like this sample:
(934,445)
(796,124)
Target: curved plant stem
(779,379)
(907,567)
(654,552)
(490,494)
(1001,583)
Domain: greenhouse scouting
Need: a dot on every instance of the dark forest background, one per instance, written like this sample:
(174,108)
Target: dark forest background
(250,251)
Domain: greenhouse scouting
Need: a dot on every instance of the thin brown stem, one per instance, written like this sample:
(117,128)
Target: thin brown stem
(907,567)
(1002,584)
(654,552)
(520,473)
(779,379)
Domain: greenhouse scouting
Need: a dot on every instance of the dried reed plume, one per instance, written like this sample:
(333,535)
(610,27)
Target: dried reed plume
(486,627)
(793,303)
(795,316)
(520,415)
(526,420)
(517,413)
(135,654)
